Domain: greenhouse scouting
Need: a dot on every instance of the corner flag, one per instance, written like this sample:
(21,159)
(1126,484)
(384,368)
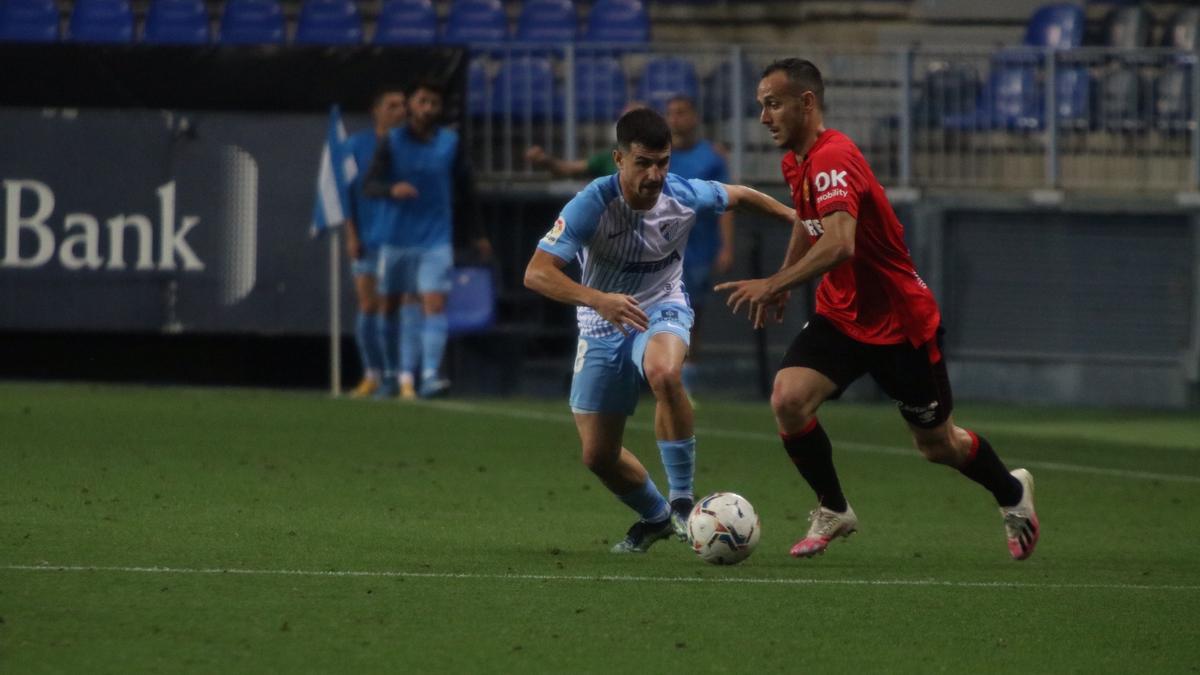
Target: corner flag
(337,170)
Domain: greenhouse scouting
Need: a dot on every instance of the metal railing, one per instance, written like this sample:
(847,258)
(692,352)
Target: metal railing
(1011,118)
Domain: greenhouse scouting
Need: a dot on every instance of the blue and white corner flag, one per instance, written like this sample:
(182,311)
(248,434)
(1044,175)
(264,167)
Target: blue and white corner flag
(337,170)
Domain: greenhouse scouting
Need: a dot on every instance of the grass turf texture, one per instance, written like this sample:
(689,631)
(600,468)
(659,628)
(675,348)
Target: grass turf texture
(493,491)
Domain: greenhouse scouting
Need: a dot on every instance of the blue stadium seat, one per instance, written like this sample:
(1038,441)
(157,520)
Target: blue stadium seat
(1058,26)
(478,88)
(1016,102)
(471,304)
(329,22)
(601,89)
(525,88)
(101,21)
(406,22)
(177,22)
(716,99)
(252,22)
(622,22)
(28,21)
(475,21)
(665,78)
(1073,96)
(547,21)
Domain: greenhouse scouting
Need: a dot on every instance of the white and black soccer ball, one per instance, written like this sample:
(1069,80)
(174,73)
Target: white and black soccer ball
(723,528)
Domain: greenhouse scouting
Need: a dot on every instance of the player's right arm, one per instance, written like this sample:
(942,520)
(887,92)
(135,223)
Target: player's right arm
(545,275)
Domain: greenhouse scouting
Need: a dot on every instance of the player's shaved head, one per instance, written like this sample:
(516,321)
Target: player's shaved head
(803,74)
(645,127)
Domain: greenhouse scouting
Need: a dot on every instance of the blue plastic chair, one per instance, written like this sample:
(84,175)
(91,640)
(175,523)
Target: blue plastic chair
(525,88)
(1015,99)
(406,22)
(329,22)
(1058,26)
(665,78)
(547,21)
(618,21)
(252,22)
(475,21)
(471,304)
(952,97)
(28,21)
(177,22)
(101,21)
(1073,96)
(601,89)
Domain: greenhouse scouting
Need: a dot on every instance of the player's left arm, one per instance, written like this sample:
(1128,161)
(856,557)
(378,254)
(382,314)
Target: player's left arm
(741,196)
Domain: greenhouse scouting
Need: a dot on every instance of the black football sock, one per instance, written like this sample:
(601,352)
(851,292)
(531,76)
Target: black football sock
(812,453)
(984,467)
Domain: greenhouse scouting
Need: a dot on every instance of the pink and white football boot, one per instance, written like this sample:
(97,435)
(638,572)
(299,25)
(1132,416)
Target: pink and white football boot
(826,525)
(1021,521)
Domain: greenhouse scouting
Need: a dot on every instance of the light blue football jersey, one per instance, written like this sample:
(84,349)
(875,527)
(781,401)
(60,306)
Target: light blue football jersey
(637,253)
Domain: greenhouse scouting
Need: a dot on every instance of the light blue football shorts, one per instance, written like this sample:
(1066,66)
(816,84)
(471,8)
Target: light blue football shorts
(368,265)
(415,269)
(608,369)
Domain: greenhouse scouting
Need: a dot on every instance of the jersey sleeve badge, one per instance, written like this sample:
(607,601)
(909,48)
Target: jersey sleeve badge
(555,232)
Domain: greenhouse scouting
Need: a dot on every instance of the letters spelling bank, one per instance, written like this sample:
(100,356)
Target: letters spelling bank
(81,238)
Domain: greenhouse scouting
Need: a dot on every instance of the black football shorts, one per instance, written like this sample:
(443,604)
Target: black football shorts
(915,378)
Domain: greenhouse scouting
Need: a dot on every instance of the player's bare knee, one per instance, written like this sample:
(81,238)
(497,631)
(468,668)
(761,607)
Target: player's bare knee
(664,379)
(790,402)
(599,461)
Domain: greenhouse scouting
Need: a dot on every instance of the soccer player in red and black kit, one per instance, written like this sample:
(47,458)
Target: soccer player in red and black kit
(874,315)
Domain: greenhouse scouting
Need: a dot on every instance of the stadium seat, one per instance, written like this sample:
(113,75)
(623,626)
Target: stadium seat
(1073,96)
(101,21)
(1016,102)
(179,22)
(716,100)
(547,21)
(950,97)
(476,21)
(1120,106)
(1173,98)
(471,304)
(601,89)
(1127,28)
(406,22)
(621,22)
(28,21)
(664,78)
(1182,30)
(525,88)
(252,22)
(329,22)
(477,88)
(1058,26)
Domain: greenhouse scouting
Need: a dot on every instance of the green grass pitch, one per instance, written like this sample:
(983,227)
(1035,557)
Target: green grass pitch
(177,530)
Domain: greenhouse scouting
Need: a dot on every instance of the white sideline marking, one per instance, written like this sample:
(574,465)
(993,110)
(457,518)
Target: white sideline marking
(518,413)
(605,578)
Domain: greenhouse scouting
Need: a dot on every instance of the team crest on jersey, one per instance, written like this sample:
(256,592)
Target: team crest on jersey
(556,231)
(804,190)
(665,228)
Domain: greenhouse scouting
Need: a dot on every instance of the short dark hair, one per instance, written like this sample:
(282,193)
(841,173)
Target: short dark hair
(428,85)
(383,90)
(682,98)
(803,73)
(644,126)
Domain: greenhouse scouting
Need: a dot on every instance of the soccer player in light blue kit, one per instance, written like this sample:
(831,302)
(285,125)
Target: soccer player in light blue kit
(366,229)
(423,170)
(629,232)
